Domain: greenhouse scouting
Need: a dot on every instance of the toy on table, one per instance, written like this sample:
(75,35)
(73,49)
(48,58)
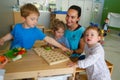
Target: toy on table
(68,54)
(15,54)
(51,56)
(2,59)
(47,47)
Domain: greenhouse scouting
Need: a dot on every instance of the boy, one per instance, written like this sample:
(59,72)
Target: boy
(105,27)
(25,34)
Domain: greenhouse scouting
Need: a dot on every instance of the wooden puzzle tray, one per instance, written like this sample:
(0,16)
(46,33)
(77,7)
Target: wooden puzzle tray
(51,56)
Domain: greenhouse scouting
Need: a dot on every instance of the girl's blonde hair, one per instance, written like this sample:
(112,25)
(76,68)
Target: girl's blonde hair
(94,28)
(58,24)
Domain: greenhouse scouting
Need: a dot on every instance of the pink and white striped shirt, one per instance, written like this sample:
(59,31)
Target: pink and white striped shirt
(95,64)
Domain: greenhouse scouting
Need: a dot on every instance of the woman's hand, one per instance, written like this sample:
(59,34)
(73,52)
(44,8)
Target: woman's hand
(66,49)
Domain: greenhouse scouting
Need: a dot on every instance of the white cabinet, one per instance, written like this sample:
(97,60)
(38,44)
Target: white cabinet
(62,5)
(87,13)
(97,11)
(86,10)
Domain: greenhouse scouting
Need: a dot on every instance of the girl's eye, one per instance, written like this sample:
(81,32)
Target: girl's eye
(32,19)
(92,34)
(86,35)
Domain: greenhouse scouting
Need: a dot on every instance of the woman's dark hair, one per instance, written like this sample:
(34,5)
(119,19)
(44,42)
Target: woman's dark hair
(77,8)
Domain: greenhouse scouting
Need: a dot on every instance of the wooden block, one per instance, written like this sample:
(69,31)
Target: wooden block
(50,56)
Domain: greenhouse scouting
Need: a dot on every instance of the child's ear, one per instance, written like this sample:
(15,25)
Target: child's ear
(99,38)
(23,19)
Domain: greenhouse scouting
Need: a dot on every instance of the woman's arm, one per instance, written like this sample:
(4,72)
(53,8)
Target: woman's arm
(81,47)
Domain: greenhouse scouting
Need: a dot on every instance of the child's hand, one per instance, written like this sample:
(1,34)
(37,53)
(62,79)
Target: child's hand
(1,41)
(4,63)
(66,50)
(71,64)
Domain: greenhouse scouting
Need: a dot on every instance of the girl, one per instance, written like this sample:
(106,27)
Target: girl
(94,62)
(58,29)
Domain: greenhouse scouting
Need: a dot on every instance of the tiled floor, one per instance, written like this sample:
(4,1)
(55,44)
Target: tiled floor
(112,50)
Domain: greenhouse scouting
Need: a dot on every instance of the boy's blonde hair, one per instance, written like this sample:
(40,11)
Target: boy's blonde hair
(28,9)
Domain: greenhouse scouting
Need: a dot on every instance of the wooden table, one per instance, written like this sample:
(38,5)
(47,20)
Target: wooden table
(33,66)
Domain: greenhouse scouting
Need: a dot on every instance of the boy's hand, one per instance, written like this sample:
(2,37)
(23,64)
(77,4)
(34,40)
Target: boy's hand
(2,41)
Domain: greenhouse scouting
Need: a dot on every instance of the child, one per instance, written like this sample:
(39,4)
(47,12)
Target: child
(105,27)
(58,28)
(25,34)
(4,63)
(94,62)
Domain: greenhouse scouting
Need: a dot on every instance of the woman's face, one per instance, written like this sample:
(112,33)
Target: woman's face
(72,17)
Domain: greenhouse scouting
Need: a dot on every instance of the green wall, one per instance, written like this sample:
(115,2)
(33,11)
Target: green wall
(110,6)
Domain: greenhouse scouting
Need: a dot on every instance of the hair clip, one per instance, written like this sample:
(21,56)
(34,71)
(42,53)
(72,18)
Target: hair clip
(93,24)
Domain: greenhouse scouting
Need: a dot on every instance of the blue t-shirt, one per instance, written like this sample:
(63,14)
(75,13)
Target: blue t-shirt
(74,37)
(25,38)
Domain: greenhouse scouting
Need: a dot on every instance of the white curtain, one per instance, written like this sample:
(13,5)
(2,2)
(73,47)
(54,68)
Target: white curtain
(114,19)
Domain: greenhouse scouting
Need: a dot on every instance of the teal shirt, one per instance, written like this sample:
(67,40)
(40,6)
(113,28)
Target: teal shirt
(74,37)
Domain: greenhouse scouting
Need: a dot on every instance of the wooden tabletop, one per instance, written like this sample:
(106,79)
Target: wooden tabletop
(32,66)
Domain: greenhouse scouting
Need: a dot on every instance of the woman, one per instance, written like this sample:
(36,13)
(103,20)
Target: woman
(74,31)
